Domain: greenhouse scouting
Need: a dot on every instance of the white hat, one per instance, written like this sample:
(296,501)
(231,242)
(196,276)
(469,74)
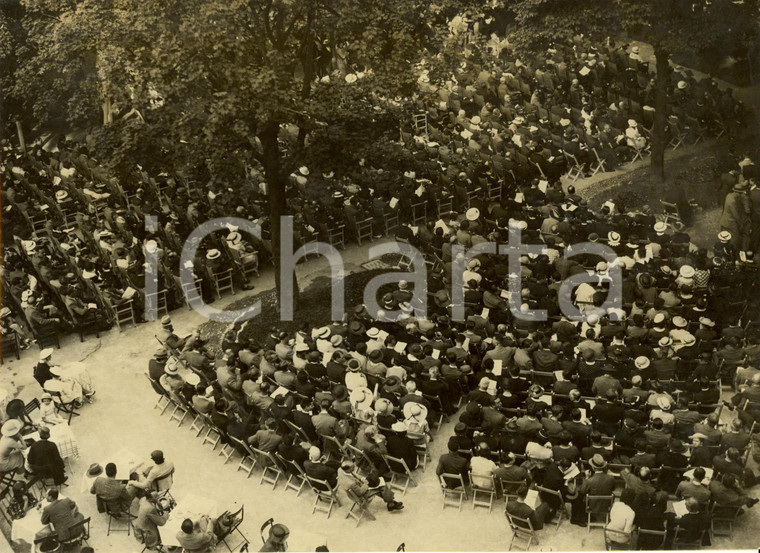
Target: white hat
(641,362)
(665,341)
(632,123)
(213,254)
(151,246)
(659,318)
(5,311)
(12,427)
(122,263)
(373,332)
(304,170)
(61,195)
(635,49)
(46,353)
(399,426)
(564,122)
(680,322)
(234,238)
(687,271)
(88,274)
(361,398)
(336,340)
(724,236)
(323,333)
(192,379)
(472,214)
(682,84)
(707,321)
(613,238)
(663,403)
(475,119)
(660,227)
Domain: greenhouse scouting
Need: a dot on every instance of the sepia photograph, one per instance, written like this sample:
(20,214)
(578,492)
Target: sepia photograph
(379,275)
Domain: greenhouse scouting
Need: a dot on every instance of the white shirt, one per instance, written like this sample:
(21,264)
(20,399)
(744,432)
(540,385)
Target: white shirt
(482,469)
(621,519)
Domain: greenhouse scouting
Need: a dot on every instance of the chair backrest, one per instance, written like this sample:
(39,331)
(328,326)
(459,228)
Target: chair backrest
(520,525)
(451,481)
(549,491)
(320,486)
(661,534)
(31,406)
(397,465)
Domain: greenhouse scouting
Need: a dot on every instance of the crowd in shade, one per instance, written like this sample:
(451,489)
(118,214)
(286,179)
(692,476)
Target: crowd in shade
(627,398)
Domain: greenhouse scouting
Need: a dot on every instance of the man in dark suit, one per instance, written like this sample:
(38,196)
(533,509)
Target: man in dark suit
(452,462)
(599,483)
(519,508)
(45,460)
(321,469)
(62,514)
(401,446)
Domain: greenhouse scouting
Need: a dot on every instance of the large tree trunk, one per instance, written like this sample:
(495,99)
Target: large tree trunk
(276,184)
(657,162)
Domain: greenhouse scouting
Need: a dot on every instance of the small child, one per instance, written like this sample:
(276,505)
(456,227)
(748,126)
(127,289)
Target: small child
(47,410)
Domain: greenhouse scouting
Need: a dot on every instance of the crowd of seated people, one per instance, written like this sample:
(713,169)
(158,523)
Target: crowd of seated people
(76,240)
(630,396)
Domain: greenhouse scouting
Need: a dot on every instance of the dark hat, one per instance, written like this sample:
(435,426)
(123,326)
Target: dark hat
(392,381)
(356,328)
(676,446)
(376,355)
(94,470)
(460,427)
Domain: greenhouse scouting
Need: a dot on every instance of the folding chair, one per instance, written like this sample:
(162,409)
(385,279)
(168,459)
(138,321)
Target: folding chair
(116,514)
(157,301)
(162,395)
(247,456)
(391,224)
(494,192)
(80,533)
(399,473)
(332,447)
(300,432)
(655,539)
(271,472)
(296,476)
(188,287)
(223,282)
(601,501)
(178,413)
(360,458)
(454,490)
(211,430)
(680,541)
(445,206)
(46,336)
(671,212)
(29,408)
(420,121)
(599,165)
(361,506)
(677,132)
(364,230)
(419,212)
(64,407)
(324,495)
(624,541)
(575,169)
(336,236)
(11,345)
(522,530)
(483,496)
(124,314)
(722,520)
(558,495)
(236,520)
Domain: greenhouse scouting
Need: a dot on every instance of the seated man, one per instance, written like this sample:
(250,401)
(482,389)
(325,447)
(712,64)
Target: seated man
(519,508)
(110,490)
(372,485)
(44,459)
(320,468)
(158,470)
(61,513)
(197,537)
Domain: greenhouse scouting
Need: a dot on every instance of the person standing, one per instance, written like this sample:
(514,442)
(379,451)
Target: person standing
(736,216)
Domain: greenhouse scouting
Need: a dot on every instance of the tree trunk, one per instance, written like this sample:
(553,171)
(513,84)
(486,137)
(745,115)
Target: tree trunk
(657,162)
(277,200)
